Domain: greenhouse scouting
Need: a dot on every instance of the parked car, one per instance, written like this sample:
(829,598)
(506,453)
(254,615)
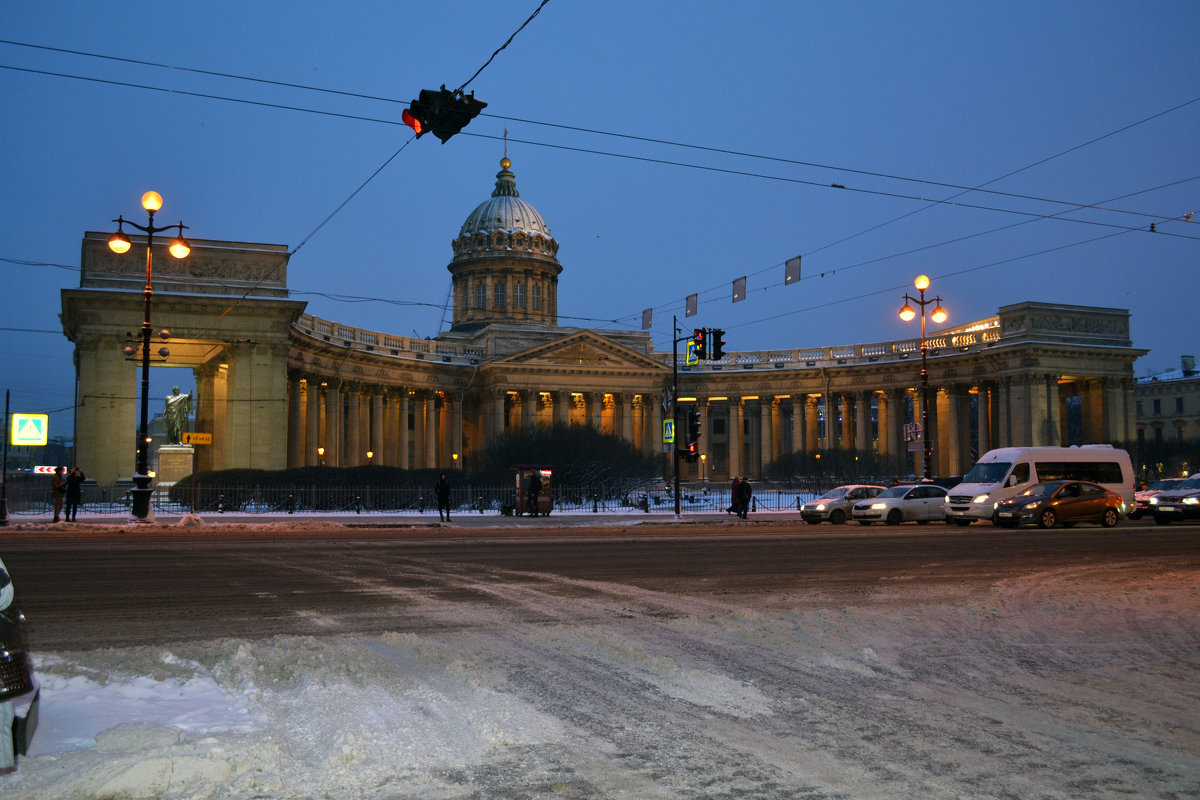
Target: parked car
(1061,502)
(1179,503)
(921,503)
(1141,498)
(836,504)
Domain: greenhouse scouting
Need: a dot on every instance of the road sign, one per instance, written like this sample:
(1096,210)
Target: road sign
(44,470)
(914,432)
(668,431)
(30,430)
(197,438)
(690,359)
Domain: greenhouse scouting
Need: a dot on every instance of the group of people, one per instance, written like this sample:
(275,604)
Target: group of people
(739,496)
(68,490)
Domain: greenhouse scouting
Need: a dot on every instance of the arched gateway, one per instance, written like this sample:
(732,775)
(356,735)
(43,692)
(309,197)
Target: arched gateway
(279,388)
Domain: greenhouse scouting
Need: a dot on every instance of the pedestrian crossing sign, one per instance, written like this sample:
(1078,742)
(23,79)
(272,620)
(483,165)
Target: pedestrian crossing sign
(30,430)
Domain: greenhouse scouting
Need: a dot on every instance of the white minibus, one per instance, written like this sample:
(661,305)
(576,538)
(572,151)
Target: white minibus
(1002,473)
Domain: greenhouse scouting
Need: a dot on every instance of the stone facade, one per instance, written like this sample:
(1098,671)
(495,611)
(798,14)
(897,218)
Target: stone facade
(276,384)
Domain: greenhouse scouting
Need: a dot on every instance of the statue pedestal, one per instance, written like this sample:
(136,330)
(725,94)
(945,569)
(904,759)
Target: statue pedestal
(174,462)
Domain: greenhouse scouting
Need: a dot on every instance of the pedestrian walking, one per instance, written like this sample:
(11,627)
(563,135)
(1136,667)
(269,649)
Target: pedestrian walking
(58,491)
(733,495)
(75,479)
(442,490)
(744,493)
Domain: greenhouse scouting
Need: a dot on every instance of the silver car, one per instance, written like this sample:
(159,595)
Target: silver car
(921,503)
(835,505)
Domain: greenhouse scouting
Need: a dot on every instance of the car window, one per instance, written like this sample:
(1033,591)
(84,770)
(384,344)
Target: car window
(873,491)
(1089,489)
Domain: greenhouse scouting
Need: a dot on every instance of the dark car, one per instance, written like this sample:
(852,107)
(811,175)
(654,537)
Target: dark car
(1178,503)
(1061,502)
(1141,498)
(835,505)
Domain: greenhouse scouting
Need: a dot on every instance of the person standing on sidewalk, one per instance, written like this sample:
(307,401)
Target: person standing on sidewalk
(75,479)
(58,491)
(442,490)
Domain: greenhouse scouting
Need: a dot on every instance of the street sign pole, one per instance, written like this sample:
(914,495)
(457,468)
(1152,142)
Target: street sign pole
(4,468)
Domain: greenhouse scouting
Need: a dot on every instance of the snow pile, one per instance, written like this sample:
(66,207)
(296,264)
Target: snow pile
(1067,684)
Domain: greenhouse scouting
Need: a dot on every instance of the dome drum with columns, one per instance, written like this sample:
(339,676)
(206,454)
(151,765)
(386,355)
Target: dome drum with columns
(505,266)
(281,388)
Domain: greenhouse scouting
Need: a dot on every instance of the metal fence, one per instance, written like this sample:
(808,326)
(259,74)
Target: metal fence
(32,500)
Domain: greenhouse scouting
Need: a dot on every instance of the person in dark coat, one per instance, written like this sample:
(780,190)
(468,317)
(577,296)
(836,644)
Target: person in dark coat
(58,491)
(442,490)
(75,479)
(744,493)
(535,489)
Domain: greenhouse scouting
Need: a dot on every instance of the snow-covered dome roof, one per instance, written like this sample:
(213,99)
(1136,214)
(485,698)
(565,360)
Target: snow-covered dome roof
(505,210)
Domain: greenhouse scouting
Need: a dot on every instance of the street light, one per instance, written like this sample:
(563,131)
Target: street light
(321,455)
(119,243)
(938,315)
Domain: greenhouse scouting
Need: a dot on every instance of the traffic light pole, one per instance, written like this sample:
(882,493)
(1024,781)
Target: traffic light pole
(674,405)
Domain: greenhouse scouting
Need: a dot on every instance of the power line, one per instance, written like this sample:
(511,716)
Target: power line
(594,131)
(536,11)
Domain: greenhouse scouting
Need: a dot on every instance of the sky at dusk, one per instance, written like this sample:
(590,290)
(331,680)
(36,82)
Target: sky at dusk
(671,147)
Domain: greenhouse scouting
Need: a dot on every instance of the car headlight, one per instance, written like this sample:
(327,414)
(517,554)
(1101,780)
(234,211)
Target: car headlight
(1029,506)
(820,506)
(878,506)
(1153,501)
(980,498)
(1191,501)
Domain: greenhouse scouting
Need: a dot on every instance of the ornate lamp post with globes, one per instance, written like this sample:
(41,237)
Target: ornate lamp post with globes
(119,243)
(939,316)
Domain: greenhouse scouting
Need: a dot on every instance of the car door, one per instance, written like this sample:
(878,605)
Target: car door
(932,501)
(1068,503)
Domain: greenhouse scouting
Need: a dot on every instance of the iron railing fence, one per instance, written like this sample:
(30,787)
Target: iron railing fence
(34,500)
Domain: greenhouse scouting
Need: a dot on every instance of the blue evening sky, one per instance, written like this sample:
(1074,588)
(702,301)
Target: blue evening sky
(1051,105)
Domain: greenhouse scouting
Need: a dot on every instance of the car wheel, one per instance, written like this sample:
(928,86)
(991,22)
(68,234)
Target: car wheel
(1047,519)
(837,516)
(1110,518)
(1161,520)
(894,517)
(962,523)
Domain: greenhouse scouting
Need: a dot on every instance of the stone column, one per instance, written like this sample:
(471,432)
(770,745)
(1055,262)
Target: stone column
(768,427)
(1002,433)
(862,421)
(797,424)
(376,400)
(846,407)
(562,407)
(419,431)
(983,415)
(431,431)
(402,433)
(354,455)
(456,428)
(626,416)
(595,401)
(812,425)
(312,422)
(737,408)
(295,431)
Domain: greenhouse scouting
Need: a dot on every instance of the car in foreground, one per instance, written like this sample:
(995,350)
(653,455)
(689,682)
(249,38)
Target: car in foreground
(1179,503)
(1141,498)
(836,504)
(1061,503)
(922,503)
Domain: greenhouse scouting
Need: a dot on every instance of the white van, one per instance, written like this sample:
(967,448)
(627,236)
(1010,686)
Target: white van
(1002,473)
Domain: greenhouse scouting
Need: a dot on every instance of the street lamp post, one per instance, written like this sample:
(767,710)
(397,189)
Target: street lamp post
(119,243)
(938,315)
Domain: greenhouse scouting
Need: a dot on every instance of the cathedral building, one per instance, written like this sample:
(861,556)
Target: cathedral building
(277,387)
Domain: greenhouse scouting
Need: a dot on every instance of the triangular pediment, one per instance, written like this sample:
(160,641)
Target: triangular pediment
(582,349)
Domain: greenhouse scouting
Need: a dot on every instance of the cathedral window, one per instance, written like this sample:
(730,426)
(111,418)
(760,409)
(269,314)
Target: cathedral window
(519,295)
(481,295)
(498,295)
(537,297)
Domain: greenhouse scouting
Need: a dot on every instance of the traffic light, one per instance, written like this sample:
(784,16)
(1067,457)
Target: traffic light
(716,338)
(693,427)
(693,452)
(698,338)
(442,111)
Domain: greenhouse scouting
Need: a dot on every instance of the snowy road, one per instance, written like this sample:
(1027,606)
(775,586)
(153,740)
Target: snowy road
(924,663)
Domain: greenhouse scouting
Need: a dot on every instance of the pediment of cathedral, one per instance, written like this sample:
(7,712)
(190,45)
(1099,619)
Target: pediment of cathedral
(582,349)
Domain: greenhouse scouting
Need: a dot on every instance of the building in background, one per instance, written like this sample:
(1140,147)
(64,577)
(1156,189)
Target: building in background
(1167,404)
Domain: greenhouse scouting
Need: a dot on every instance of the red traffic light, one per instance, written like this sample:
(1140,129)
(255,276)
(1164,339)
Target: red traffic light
(442,111)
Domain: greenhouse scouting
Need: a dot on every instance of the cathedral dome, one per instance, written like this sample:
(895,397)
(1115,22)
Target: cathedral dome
(505,211)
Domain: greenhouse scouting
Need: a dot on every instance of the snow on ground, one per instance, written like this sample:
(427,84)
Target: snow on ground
(1072,684)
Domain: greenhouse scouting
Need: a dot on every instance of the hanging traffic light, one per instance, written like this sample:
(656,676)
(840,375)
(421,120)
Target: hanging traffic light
(716,338)
(693,452)
(698,338)
(442,111)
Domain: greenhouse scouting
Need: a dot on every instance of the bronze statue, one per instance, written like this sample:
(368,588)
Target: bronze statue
(175,415)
